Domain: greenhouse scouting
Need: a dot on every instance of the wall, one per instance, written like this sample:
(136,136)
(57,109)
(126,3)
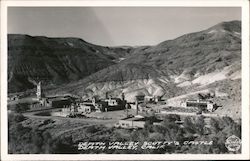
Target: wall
(131,124)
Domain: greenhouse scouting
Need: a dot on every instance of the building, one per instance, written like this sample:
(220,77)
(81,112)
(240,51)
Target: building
(85,108)
(112,104)
(39,92)
(60,102)
(13,98)
(69,110)
(66,110)
(101,106)
(132,122)
(40,104)
(140,107)
(113,101)
(140,98)
(50,103)
(152,99)
(136,122)
(149,98)
(158,98)
(201,104)
(78,108)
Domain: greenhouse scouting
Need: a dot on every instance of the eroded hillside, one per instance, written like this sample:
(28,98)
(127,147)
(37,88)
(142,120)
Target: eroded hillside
(201,62)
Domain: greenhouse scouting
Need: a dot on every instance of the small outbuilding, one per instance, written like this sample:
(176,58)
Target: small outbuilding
(201,104)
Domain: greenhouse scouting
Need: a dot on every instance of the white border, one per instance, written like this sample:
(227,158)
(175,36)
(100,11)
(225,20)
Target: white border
(244,4)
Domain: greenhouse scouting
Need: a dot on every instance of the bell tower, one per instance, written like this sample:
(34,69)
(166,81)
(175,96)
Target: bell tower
(39,91)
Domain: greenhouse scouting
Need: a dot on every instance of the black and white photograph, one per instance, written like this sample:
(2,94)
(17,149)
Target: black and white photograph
(124,80)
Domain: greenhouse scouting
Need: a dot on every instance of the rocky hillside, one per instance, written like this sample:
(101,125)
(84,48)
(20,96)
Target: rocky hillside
(55,61)
(201,62)
(174,67)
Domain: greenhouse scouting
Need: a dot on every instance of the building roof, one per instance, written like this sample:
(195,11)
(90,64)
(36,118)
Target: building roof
(89,105)
(101,102)
(117,99)
(139,116)
(149,96)
(199,101)
(33,103)
(58,99)
(140,96)
(86,103)
(133,119)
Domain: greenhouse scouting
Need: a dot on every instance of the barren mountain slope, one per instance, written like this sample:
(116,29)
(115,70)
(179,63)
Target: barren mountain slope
(204,61)
(172,67)
(54,60)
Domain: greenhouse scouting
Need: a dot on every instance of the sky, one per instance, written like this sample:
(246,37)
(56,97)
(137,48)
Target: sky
(117,26)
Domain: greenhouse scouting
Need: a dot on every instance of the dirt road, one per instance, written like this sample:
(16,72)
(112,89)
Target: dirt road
(109,122)
(190,114)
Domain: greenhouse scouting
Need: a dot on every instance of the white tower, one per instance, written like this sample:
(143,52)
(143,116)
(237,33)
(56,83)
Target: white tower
(39,91)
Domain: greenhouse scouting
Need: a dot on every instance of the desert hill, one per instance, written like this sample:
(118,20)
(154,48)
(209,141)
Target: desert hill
(200,62)
(192,60)
(54,60)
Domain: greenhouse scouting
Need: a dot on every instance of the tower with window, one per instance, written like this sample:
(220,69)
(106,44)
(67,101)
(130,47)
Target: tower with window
(39,91)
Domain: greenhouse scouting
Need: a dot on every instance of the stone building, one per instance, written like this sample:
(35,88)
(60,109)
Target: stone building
(201,104)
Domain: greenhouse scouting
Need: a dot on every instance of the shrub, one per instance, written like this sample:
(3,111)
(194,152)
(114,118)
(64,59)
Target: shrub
(21,107)
(92,129)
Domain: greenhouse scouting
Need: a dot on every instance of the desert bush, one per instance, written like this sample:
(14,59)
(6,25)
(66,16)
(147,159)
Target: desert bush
(92,129)
(14,118)
(171,118)
(19,108)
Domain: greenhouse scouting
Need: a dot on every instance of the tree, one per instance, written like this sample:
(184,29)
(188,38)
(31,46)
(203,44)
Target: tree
(171,118)
(14,118)
(189,126)
(156,136)
(64,145)
(92,129)
(200,124)
(21,107)
(214,126)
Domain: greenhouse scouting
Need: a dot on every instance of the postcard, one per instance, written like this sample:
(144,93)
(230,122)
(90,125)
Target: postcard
(124,80)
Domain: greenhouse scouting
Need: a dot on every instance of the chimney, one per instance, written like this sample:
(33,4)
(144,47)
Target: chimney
(106,95)
(136,104)
(123,97)
(126,108)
